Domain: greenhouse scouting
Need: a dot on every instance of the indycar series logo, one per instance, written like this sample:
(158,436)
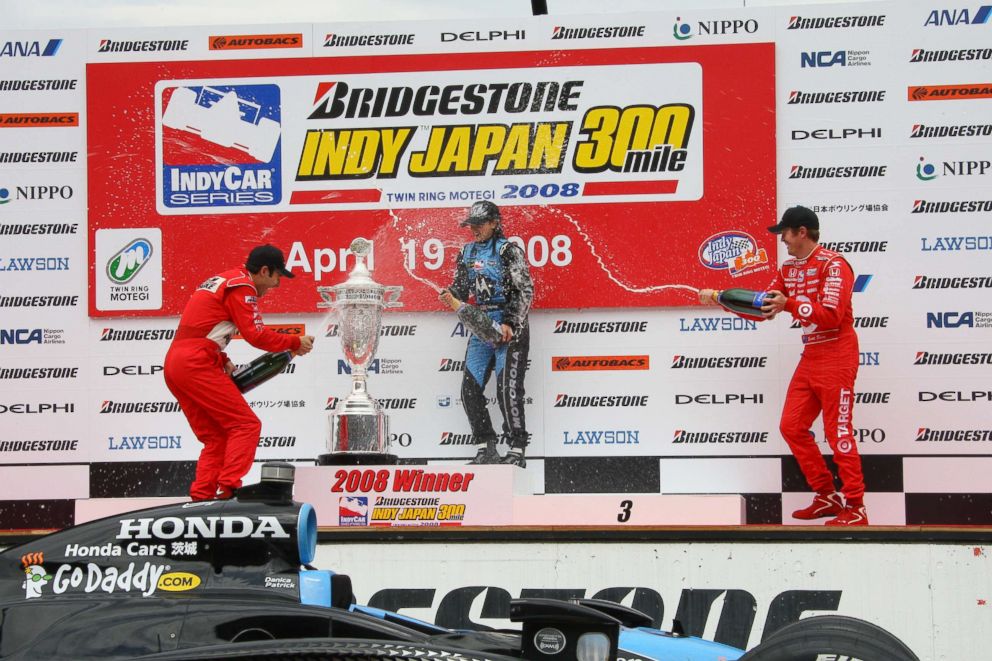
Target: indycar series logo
(219,146)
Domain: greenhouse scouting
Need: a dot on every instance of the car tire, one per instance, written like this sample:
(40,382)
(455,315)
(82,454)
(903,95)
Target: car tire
(837,635)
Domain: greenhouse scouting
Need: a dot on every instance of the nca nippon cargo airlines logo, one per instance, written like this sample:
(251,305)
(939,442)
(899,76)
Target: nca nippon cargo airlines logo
(735,252)
(126,264)
(219,146)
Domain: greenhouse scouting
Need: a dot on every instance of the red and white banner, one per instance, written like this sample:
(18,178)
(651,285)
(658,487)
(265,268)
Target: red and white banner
(627,174)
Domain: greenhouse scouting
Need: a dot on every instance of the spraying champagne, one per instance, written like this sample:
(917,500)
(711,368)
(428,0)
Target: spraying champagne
(250,376)
(476,320)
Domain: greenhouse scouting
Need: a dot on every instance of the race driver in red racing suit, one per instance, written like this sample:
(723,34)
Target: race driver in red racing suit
(197,371)
(815,287)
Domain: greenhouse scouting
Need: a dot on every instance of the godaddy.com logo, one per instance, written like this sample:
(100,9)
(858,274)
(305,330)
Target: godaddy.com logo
(126,264)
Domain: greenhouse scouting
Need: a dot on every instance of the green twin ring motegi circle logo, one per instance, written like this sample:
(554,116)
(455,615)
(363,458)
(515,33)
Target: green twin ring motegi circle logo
(126,264)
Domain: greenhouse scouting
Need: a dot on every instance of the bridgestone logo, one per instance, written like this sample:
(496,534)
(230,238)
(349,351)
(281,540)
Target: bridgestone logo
(395,403)
(797,97)
(800,23)
(37,228)
(571,401)
(39,372)
(111,335)
(39,446)
(448,438)
(111,46)
(927,358)
(38,156)
(612,32)
(958,131)
(928,282)
(139,407)
(856,246)
(601,327)
(683,436)
(449,365)
(721,362)
(37,85)
(923,55)
(960,206)
(927,434)
(841,172)
(341,40)
(38,301)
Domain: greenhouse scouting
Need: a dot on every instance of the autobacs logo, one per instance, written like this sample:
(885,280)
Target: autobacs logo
(220,146)
(949,92)
(588,363)
(255,41)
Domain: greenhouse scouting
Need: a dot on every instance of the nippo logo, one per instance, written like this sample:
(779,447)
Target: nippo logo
(126,264)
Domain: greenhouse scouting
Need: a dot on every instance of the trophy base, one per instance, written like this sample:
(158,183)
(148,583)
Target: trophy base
(356,459)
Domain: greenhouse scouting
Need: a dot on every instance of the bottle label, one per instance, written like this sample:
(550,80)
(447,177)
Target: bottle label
(759,299)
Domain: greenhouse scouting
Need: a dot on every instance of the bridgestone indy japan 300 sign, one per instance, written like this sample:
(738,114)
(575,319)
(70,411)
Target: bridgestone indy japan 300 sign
(628,175)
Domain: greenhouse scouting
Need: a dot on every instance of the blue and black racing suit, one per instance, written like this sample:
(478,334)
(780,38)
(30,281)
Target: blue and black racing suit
(496,275)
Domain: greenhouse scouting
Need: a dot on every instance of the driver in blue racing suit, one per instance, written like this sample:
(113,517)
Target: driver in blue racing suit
(494,271)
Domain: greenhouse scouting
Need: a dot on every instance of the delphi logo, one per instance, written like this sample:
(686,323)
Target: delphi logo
(219,146)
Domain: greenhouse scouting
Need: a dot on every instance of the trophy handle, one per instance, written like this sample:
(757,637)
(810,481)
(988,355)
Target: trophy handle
(391,296)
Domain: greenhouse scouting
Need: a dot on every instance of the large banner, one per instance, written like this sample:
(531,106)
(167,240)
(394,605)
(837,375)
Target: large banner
(626,173)
(635,157)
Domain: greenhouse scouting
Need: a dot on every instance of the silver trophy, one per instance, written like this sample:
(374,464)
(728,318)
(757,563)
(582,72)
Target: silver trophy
(359,430)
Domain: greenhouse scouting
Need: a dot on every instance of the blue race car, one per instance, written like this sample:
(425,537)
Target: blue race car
(232,579)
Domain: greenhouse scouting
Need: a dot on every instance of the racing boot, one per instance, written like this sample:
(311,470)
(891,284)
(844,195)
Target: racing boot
(515,456)
(824,504)
(485,452)
(853,515)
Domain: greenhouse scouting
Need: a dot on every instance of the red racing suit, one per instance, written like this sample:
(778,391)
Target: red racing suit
(819,289)
(194,372)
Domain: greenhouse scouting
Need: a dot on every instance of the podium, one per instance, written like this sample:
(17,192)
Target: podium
(489,496)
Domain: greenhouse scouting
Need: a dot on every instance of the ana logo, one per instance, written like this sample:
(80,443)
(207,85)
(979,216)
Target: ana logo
(35,576)
(939,17)
(925,171)
(126,264)
(30,48)
(681,31)
(220,146)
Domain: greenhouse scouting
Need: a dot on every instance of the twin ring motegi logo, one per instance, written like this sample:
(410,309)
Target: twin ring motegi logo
(220,146)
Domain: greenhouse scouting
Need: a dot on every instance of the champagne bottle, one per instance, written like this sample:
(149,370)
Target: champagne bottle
(260,370)
(477,321)
(742,301)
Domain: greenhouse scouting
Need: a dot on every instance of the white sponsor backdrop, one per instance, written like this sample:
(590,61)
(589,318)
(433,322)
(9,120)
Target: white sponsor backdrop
(63,376)
(939,608)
